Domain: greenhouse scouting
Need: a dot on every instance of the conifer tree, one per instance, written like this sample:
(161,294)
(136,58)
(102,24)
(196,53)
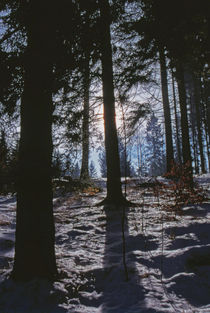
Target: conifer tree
(166,109)
(41,27)
(34,246)
(154,156)
(114,189)
(93,172)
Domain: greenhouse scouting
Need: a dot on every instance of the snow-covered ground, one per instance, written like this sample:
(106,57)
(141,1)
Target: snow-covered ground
(167,257)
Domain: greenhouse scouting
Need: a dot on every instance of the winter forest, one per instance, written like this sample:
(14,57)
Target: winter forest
(104,156)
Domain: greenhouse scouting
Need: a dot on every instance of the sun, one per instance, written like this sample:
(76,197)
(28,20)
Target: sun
(99,117)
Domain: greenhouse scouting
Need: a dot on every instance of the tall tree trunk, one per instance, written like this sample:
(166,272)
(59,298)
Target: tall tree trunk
(197,96)
(177,122)
(139,155)
(114,188)
(166,109)
(194,136)
(208,113)
(208,149)
(184,120)
(84,175)
(206,99)
(207,91)
(34,247)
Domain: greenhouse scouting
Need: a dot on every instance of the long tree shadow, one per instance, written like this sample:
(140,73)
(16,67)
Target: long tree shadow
(106,286)
(122,291)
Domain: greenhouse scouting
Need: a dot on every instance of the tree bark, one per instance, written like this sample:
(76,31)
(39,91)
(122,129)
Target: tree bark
(207,114)
(198,121)
(34,247)
(114,188)
(194,136)
(184,119)
(177,122)
(208,110)
(166,109)
(84,175)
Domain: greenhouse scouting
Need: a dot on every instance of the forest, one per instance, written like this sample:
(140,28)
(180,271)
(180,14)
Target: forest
(104,156)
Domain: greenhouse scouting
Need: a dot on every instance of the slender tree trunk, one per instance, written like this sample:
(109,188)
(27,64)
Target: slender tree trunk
(206,99)
(166,109)
(139,154)
(34,247)
(207,138)
(194,137)
(198,122)
(114,188)
(184,120)
(208,114)
(208,150)
(207,87)
(84,175)
(177,122)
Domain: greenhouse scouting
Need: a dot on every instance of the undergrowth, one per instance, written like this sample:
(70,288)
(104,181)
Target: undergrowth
(180,188)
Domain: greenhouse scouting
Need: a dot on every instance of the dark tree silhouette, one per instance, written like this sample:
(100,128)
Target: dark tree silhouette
(114,189)
(84,175)
(186,151)
(166,110)
(34,247)
(86,45)
(178,145)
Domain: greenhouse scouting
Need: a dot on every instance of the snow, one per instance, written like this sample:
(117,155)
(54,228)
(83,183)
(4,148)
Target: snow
(167,256)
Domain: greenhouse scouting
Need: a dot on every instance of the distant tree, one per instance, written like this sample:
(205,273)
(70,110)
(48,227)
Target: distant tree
(102,163)
(13,162)
(57,164)
(75,171)
(4,153)
(4,158)
(125,164)
(154,147)
(139,143)
(93,172)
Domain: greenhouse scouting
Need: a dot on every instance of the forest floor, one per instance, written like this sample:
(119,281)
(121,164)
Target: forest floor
(161,264)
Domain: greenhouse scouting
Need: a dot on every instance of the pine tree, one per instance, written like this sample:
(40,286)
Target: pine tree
(102,163)
(114,189)
(4,158)
(125,164)
(34,245)
(56,164)
(76,171)
(93,172)
(166,110)
(154,144)
(46,32)
(3,152)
